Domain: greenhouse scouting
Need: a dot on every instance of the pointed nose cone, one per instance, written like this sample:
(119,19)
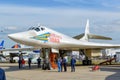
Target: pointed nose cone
(15,37)
(12,36)
(21,37)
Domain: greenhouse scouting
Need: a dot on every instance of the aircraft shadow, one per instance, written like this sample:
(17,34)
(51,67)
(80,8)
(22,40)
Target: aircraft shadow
(115,69)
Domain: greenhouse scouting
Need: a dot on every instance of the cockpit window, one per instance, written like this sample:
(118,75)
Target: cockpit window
(37,28)
(42,28)
(31,28)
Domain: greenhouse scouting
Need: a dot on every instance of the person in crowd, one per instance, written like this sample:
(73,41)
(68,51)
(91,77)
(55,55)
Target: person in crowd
(64,64)
(29,63)
(39,62)
(115,57)
(73,61)
(59,64)
(23,63)
(20,63)
(2,74)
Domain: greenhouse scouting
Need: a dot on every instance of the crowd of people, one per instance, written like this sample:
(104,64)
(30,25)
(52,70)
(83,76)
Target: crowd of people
(22,62)
(62,63)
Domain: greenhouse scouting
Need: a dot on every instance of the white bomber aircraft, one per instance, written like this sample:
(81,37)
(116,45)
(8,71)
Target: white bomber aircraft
(43,37)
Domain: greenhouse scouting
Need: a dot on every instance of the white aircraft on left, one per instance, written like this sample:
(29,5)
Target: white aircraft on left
(43,37)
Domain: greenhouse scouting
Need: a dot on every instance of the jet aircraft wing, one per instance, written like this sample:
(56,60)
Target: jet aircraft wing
(20,49)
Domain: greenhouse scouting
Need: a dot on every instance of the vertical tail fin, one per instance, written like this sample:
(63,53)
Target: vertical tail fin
(2,44)
(85,37)
(87,27)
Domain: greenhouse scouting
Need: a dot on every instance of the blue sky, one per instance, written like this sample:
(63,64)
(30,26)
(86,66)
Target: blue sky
(67,15)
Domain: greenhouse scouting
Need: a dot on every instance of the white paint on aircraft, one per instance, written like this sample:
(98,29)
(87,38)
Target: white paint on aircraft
(44,37)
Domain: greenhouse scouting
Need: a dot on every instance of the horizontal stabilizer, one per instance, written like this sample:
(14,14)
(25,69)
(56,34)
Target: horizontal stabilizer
(92,36)
(79,36)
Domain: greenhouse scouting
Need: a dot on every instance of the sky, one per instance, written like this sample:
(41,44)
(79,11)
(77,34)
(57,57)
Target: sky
(66,16)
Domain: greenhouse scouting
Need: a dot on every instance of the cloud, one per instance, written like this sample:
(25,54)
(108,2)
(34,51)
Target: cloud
(11,28)
(58,17)
(106,5)
(78,1)
(19,18)
(111,5)
(108,28)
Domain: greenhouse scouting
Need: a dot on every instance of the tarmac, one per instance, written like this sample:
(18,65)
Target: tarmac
(111,72)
